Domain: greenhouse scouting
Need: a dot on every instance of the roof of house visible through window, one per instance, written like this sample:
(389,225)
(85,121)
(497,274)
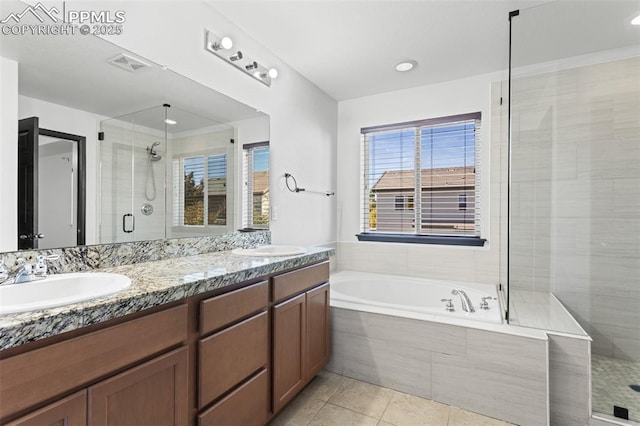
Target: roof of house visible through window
(448,177)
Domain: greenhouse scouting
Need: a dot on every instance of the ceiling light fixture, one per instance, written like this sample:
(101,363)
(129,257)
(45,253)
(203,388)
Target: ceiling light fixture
(636,20)
(405,66)
(217,45)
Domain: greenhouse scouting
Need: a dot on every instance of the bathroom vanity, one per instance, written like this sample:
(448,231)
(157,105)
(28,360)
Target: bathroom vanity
(227,342)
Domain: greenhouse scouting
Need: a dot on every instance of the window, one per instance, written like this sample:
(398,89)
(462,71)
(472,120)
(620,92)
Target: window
(420,181)
(462,202)
(255,191)
(200,190)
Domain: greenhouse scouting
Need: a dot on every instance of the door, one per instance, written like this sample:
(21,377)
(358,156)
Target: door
(288,350)
(28,183)
(153,394)
(317,329)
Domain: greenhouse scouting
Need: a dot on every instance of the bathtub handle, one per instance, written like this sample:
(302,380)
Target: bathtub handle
(449,305)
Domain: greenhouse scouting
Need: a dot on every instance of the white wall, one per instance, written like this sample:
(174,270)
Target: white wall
(69,120)
(8,155)
(434,261)
(303,118)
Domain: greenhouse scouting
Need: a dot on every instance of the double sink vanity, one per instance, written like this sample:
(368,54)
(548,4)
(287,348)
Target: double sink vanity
(221,338)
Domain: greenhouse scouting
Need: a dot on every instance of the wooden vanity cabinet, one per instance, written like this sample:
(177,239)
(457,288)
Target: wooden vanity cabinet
(233,362)
(70,411)
(223,358)
(87,364)
(300,330)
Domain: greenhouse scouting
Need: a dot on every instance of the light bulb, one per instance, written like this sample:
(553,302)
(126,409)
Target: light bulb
(226,43)
(636,20)
(273,73)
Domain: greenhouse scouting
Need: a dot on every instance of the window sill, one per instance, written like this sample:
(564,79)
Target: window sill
(452,240)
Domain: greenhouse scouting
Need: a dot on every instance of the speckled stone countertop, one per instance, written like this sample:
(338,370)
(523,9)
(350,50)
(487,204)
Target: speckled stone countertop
(152,283)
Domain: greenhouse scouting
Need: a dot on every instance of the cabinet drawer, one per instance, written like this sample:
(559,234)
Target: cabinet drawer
(44,373)
(232,355)
(247,406)
(221,310)
(70,411)
(297,281)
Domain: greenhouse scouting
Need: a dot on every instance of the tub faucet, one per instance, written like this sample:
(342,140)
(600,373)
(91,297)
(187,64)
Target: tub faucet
(467,306)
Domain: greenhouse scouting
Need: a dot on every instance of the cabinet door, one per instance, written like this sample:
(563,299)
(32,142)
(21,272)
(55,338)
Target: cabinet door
(288,350)
(317,352)
(70,411)
(153,394)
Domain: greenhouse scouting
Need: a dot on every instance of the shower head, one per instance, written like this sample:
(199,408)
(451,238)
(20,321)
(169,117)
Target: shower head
(155,157)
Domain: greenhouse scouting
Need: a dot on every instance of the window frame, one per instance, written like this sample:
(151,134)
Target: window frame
(180,194)
(248,204)
(456,240)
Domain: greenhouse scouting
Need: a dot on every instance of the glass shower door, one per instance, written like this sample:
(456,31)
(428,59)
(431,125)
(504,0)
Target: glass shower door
(132,177)
(575,185)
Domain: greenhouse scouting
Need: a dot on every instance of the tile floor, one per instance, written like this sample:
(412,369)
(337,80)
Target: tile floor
(334,400)
(611,378)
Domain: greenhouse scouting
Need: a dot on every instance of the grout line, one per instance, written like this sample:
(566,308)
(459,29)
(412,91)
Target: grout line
(316,414)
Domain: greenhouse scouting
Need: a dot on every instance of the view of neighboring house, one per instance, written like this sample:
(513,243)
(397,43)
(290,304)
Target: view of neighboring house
(261,198)
(217,201)
(447,201)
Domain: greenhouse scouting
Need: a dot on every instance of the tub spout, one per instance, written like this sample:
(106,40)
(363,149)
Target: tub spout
(467,306)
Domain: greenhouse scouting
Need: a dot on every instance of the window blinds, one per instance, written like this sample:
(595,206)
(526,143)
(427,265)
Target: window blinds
(422,177)
(255,190)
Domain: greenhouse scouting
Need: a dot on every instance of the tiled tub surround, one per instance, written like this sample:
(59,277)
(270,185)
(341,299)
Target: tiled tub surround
(520,375)
(152,283)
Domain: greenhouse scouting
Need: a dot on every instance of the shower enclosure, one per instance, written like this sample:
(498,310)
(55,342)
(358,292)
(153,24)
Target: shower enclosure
(165,172)
(574,238)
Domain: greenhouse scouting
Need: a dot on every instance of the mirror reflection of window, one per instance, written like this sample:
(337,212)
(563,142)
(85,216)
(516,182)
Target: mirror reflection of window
(256,186)
(201,200)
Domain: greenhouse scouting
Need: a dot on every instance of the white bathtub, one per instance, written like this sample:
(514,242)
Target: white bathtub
(411,297)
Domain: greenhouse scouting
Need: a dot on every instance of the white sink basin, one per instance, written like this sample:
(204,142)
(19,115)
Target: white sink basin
(58,290)
(271,251)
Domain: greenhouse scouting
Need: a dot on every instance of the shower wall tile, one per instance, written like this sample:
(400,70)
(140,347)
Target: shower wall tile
(576,219)
(569,380)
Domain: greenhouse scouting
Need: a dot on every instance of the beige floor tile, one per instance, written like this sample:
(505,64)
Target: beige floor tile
(323,386)
(299,412)
(332,415)
(409,410)
(361,397)
(466,418)
(381,423)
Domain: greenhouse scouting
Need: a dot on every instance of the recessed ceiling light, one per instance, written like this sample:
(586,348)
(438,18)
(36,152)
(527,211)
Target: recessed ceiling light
(405,66)
(636,20)
(170,121)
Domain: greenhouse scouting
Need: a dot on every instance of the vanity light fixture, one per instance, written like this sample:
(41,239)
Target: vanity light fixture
(405,66)
(225,43)
(219,45)
(236,57)
(636,20)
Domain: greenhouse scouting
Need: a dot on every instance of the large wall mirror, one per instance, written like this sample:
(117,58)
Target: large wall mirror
(163,155)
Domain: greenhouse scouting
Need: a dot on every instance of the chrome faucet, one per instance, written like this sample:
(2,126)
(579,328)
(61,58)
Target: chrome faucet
(32,271)
(467,306)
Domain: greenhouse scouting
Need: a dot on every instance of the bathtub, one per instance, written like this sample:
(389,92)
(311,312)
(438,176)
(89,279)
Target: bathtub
(411,297)
(394,331)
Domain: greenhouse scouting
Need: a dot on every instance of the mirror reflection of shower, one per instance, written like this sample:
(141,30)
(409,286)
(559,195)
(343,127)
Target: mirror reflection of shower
(150,181)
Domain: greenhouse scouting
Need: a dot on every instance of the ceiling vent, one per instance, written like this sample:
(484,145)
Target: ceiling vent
(128,62)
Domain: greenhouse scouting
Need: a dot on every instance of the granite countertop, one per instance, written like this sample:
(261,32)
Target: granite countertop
(152,284)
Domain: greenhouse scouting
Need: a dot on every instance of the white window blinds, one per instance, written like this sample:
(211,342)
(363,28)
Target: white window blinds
(200,190)
(422,177)
(255,190)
